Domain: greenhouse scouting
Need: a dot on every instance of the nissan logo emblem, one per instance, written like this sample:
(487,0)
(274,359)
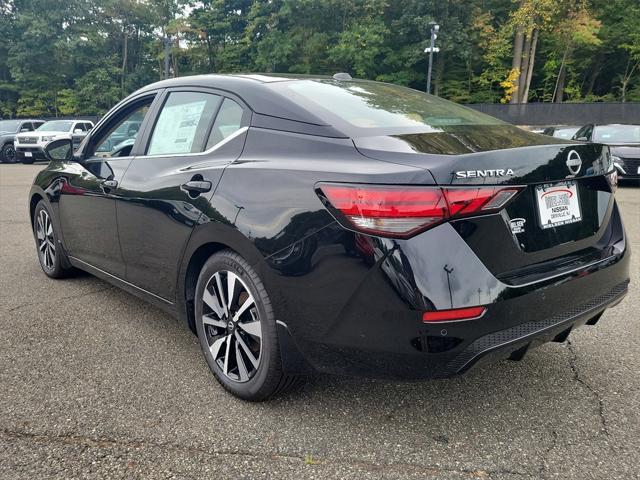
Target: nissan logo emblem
(574,162)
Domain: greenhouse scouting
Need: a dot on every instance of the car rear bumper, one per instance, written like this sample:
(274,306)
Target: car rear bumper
(356,309)
(514,342)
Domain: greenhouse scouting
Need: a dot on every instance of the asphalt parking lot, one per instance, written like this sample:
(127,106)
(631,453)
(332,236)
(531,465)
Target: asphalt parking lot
(95,383)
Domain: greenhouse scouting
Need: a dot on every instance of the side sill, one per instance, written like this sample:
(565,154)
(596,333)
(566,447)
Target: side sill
(152,298)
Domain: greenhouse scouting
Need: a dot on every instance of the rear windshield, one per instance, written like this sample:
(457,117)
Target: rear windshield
(373,105)
(617,134)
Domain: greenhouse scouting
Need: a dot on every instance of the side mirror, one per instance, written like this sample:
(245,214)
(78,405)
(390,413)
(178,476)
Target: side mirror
(78,130)
(59,150)
(582,139)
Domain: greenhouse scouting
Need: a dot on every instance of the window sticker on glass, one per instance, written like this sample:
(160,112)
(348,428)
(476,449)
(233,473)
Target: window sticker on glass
(176,128)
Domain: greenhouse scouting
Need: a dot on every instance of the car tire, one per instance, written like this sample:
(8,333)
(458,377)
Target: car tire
(52,258)
(8,153)
(239,341)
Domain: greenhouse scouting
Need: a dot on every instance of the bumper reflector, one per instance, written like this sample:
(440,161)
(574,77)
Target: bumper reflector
(469,313)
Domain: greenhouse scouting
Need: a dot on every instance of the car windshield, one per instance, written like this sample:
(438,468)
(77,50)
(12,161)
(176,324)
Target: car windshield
(9,125)
(617,134)
(56,126)
(372,105)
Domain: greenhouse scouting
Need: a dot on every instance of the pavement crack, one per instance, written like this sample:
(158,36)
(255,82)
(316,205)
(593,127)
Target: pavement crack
(547,453)
(578,378)
(69,297)
(112,443)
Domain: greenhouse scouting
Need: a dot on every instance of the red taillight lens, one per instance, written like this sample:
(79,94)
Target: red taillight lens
(389,209)
(400,211)
(469,313)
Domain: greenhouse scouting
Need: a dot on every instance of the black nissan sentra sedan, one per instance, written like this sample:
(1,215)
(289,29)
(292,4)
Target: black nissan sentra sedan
(301,224)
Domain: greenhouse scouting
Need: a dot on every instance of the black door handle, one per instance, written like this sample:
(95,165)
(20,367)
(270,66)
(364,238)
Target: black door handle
(197,186)
(109,184)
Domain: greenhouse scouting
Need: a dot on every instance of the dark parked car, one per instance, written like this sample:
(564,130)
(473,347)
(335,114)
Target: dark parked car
(561,132)
(8,131)
(624,142)
(302,224)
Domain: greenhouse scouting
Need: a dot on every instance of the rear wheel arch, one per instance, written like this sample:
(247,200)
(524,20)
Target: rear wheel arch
(206,240)
(194,265)
(33,203)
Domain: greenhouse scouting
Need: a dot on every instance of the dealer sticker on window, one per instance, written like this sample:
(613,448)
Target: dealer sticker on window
(558,204)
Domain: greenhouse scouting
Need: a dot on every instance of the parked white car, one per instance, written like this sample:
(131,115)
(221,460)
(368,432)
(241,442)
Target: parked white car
(30,146)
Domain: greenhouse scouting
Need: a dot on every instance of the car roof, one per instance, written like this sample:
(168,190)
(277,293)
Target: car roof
(253,89)
(616,124)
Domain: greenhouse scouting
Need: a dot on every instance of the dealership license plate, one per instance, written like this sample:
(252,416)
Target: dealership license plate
(558,204)
(28,154)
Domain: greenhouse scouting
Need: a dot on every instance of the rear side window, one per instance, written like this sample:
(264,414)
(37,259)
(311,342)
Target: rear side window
(183,123)
(228,121)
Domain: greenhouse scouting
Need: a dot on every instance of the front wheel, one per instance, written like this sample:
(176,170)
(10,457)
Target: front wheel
(49,249)
(237,329)
(8,153)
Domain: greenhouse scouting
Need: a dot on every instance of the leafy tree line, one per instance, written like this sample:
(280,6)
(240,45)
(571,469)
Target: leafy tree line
(82,56)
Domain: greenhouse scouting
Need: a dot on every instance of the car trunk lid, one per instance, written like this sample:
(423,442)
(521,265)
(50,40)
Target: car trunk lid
(561,212)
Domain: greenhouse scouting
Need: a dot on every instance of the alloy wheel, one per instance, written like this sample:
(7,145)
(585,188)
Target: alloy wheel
(10,154)
(46,241)
(232,326)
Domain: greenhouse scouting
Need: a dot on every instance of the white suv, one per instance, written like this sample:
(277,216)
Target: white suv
(30,146)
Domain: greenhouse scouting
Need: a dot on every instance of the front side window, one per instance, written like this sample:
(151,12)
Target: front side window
(183,123)
(229,120)
(118,139)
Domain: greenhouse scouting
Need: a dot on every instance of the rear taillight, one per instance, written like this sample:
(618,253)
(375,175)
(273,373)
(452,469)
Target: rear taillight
(402,211)
(454,315)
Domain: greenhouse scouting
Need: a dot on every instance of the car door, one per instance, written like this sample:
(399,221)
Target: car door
(196,134)
(87,205)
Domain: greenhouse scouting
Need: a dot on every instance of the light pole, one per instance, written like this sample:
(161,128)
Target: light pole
(431,50)
(166,41)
